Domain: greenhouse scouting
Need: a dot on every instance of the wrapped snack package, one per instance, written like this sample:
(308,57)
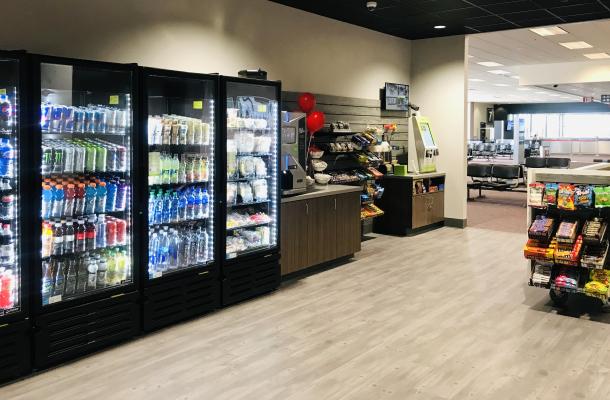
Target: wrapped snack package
(231,159)
(602,196)
(550,194)
(565,196)
(260,189)
(231,193)
(535,195)
(247,167)
(584,196)
(260,167)
(245,192)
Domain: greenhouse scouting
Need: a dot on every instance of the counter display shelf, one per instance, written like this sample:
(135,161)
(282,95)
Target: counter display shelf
(568,242)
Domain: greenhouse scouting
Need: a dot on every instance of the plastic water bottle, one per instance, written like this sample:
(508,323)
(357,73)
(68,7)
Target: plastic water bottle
(202,246)
(91,274)
(198,210)
(81,278)
(159,208)
(70,288)
(174,209)
(192,237)
(174,244)
(151,208)
(153,250)
(102,269)
(190,208)
(47,282)
(58,201)
(100,200)
(164,251)
(205,203)
(47,202)
(167,207)
(90,198)
(182,206)
(69,194)
(100,240)
(60,278)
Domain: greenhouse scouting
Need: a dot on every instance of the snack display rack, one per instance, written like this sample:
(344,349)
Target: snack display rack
(567,246)
(348,161)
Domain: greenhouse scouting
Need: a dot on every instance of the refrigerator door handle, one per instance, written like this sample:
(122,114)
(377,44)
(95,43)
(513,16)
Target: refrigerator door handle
(335,203)
(306,208)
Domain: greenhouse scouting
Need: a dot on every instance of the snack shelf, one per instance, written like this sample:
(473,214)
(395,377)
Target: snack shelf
(159,274)
(235,228)
(235,254)
(251,203)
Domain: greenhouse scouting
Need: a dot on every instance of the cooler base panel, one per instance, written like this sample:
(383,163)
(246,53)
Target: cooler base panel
(244,280)
(15,350)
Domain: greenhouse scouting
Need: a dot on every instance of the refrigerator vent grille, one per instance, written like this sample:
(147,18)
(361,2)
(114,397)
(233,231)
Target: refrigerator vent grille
(244,281)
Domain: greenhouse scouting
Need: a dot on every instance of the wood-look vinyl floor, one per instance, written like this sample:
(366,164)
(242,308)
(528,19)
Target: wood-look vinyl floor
(444,315)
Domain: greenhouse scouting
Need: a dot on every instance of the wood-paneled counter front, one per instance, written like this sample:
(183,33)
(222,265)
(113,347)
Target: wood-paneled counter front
(319,226)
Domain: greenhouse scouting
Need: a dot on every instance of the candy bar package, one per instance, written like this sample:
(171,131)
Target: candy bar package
(535,195)
(584,196)
(594,231)
(550,194)
(541,228)
(602,196)
(567,231)
(565,196)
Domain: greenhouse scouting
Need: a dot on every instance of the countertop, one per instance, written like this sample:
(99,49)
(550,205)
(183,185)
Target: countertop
(416,176)
(321,191)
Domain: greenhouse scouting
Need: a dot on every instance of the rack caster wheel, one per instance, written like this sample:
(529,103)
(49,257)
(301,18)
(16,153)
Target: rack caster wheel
(559,298)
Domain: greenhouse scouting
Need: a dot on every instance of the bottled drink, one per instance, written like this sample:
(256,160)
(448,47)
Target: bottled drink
(68,159)
(90,233)
(124,266)
(101,155)
(7,288)
(47,239)
(71,277)
(58,239)
(79,159)
(151,208)
(69,195)
(202,246)
(153,250)
(111,196)
(79,199)
(90,161)
(205,199)
(81,236)
(121,231)
(175,169)
(182,206)
(159,208)
(190,210)
(100,201)
(101,231)
(47,282)
(192,259)
(167,207)
(60,278)
(110,232)
(47,202)
(174,244)
(91,274)
(198,208)
(121,195)
(69,238)
(102,268)
(163,251)
(174,207)
(82,275)
(7,248)
(111,274)
(58,201)
(90,198)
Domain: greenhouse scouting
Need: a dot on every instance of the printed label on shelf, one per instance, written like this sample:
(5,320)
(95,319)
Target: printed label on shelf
(262,108)
(157,274)
(198,105)
(55,299)
(2,91)
(114,100)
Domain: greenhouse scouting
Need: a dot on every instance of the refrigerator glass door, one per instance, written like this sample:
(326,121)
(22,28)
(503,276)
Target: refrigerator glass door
(181,136)
(252,168)
(85,178)
(10,264)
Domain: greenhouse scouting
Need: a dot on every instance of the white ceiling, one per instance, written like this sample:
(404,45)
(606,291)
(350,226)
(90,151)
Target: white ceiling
(523,47)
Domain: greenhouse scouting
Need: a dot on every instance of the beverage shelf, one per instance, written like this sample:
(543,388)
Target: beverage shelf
(252,203)
(177,223)
(93,173)
(248,179)
(78,253)
(235,228)
(195,146)
(119,213)
(63,297)
(160,274)
(254,154)
(55,135)
(176,185)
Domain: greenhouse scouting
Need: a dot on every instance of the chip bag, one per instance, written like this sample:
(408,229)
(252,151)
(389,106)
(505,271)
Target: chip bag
(550,194)
(602,196)
(536,194)
(565,196)
(584,196)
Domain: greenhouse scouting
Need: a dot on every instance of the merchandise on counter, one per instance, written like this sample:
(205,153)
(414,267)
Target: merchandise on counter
(568,254)
(550,193)
(177,130)
(542,274)
(322,179)
(535,195)
(370,211)
(567,231)
(177,248)
(584,196)
(565,196)
(594,256)
(315,152)
(376,174)
(541,228)
(594,231)
(319,165)
(56,118)
(602,196)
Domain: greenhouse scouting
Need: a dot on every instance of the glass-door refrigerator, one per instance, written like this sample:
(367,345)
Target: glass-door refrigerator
(14,311)
(86,289)
(180,279)
(250,229)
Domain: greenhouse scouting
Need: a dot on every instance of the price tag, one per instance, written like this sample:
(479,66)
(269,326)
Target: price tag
(158,274)
(113,100)
(55,299)
(262,108)
(2,91)
(198,105)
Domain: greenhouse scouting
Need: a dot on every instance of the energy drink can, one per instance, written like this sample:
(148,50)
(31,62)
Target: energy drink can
(79,120)
(46,111)
(90,120)
(57,118)
(67,116)
(111,120)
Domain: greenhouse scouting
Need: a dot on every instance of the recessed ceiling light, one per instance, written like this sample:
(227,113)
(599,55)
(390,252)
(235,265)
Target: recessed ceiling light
(597,56)
(576,45)
(498,72)
(500,84)
(439,26)
(490,64)
(476,80)
(548,31)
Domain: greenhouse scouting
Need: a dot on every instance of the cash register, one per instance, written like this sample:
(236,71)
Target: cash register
(423,147)
(294,151)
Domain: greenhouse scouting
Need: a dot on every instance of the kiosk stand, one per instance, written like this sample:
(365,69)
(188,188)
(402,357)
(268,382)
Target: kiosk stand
(423,148)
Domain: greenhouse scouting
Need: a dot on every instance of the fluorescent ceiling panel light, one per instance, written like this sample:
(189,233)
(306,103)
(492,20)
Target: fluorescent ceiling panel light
(498,72)
(476,80)
(490,64)
(500,84)
(576,45)
(549,31)
(597,56)
(439,26)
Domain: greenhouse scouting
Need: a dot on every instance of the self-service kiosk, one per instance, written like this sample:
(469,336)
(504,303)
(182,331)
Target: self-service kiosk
(423,146)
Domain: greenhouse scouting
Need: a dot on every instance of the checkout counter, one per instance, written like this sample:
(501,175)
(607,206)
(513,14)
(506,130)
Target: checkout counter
(414,201)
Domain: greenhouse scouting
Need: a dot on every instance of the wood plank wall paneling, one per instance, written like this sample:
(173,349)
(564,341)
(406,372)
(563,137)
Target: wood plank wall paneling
(360,113)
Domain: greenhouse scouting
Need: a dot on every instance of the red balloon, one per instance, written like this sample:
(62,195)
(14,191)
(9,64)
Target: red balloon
(315,122)
(307,102)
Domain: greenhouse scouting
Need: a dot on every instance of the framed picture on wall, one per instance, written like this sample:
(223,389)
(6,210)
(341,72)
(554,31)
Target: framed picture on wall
(395,97)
